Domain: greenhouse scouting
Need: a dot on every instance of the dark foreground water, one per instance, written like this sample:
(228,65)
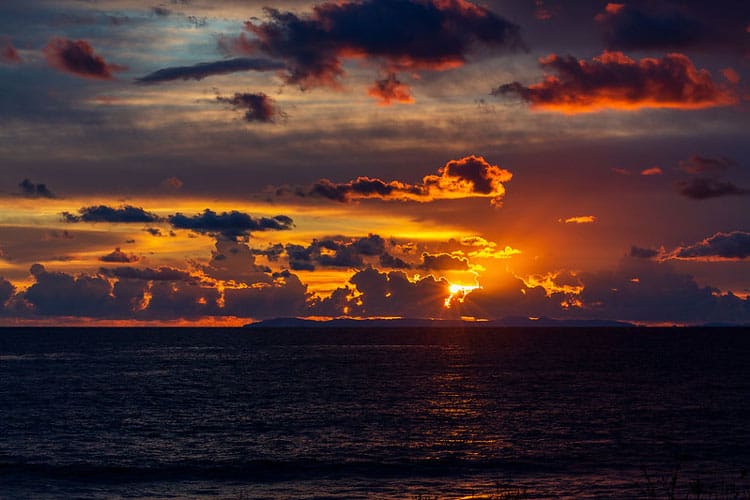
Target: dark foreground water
(199,413)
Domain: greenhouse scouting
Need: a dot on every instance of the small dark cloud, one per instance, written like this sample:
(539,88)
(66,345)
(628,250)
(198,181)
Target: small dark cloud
(161,11)
(272,253)
(443,262)
(391,262)
(77,57)
(643,253)
(32,190)
(726,246)
(408,35)
(615,81)
(703,188)
(203,70)
(231,225)
(154,231)
(119,256)
(258,108)
(103,213)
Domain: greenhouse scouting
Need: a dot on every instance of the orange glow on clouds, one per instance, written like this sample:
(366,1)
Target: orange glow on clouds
(458,293)
(580,219)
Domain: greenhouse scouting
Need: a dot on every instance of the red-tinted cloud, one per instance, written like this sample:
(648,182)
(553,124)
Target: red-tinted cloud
(615,81)
(469,177)
(77,57)
(8,53)
(720,246)
(389,90)
(396,34)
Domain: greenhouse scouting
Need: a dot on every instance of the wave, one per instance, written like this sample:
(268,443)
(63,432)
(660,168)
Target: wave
(265,470)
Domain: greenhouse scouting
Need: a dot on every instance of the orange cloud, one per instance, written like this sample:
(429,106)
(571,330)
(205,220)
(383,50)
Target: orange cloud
(615,81)
(652,171)
(390,90)
(468,177)
(581,219)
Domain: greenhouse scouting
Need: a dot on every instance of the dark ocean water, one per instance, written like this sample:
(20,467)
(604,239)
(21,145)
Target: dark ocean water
(230,413)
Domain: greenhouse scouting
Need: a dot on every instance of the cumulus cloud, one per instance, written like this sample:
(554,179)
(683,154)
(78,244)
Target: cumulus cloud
(77,57)
(8,53)
(702,188)
(396,34)
(60,294)
(118,255)
(734,245)
(663,25)
(443,262)
(334,252)
(231,225)
(615,81)
(394,294)
(469,177)
(258,108)
(389,90)
(204,70)
(32,190)
(104,213)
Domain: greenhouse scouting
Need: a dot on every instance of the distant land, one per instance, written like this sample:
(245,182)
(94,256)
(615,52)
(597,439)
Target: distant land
(510,321)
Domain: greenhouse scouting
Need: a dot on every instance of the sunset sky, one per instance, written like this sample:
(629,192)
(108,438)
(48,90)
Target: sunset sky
(222,161)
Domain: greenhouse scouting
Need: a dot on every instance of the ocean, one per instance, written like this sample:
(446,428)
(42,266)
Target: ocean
(361,413)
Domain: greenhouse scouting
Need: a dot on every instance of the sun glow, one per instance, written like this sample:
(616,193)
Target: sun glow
(458,293)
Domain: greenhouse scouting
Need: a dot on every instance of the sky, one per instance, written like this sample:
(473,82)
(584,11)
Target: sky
(216,162)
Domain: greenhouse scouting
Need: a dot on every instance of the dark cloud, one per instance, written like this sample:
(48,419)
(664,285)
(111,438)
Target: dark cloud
(31,190)
(721,246)
(119,256)
(702,188)
(389,90)
(391,262)
(397,34)
(8,53)
(272,253)
(146,274)
(60,294)
(231,225)
(284,295)
(161,11)
(664,25)
(203,70)
(334,252)
(258,108)
(393,294)
(469,177)
(615,81)
(77,57)
(235,261)
(7,290)
(643,253)
(443,262)
(103,213)
(697,164)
